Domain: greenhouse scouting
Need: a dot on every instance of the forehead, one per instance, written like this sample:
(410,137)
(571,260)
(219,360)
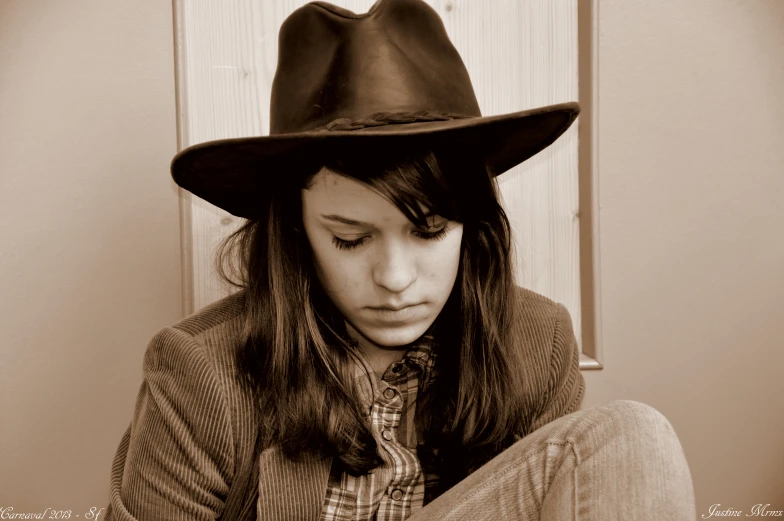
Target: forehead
(331,193)
(329,185)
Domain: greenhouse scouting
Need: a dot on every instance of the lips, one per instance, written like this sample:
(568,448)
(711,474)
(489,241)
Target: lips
(394,308)
(397,314)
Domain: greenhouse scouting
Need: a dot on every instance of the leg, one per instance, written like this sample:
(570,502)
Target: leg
(620,460)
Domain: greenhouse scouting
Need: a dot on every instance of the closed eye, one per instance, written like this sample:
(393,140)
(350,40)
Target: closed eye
(432,236)
(428,236)
(346,245)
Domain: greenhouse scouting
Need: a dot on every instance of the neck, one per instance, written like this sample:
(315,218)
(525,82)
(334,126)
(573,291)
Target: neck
(380,360)
(379,357)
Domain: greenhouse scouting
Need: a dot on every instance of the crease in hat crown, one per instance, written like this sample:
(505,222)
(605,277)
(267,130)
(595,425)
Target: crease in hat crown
(335,66)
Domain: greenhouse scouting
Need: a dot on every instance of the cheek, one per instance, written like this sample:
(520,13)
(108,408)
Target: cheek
(444,261)
(331,267)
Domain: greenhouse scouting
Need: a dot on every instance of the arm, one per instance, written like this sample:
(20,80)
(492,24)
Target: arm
(176,459)
(566,385)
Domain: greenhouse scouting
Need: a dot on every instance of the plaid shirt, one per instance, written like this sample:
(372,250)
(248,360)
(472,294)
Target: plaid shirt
(396,489)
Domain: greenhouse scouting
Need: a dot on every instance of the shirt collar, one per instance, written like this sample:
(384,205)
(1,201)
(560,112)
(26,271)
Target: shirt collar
(421,354)
(420,357)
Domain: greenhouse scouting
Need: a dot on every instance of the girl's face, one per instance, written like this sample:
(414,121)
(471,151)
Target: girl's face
(371,260)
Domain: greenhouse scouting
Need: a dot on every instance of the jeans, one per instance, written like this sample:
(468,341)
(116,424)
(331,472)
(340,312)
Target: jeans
(620,460)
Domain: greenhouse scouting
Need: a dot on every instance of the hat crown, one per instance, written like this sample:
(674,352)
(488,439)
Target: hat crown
(335,64)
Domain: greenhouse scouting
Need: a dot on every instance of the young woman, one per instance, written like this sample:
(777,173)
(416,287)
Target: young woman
(378,361)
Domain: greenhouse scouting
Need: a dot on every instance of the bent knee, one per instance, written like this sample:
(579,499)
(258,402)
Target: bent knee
(639,416)
(638,410)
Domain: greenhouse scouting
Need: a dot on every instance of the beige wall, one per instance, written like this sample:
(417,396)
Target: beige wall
(691,126)
(691,166)
(89,236)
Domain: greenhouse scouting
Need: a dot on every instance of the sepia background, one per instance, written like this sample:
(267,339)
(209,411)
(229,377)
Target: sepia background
(681,265)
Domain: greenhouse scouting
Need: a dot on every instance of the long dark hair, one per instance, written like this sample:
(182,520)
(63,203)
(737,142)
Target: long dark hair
(296,353)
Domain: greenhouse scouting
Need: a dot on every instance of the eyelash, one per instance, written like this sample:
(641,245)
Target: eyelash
(428,236)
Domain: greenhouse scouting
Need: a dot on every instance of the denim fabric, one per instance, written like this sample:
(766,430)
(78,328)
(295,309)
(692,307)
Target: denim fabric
(620,460)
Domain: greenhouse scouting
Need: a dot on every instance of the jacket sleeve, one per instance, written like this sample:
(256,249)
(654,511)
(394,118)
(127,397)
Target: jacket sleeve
(176,459)
(566,384)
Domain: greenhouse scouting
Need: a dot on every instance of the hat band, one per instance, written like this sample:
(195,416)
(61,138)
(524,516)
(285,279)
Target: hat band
(378,119)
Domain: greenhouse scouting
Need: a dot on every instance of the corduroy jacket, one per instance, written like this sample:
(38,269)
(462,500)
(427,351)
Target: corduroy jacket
(192,450)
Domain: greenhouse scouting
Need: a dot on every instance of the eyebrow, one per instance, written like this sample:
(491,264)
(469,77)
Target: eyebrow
(352,222)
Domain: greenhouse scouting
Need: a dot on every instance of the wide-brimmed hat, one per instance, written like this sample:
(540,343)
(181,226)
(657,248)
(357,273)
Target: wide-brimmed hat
(386,80)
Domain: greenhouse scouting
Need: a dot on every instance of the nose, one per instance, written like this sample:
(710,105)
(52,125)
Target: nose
(395,267)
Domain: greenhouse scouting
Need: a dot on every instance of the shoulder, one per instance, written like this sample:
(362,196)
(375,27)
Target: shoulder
(199,352)
(215,330)
(544,331)
(546,327)
(532,298)
(212,333)
(220,317)
(540,314)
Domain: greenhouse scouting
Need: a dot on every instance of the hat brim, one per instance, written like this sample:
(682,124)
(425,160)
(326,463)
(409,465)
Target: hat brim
(234,174)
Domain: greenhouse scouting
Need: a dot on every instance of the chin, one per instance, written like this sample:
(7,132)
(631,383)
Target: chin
(394,336)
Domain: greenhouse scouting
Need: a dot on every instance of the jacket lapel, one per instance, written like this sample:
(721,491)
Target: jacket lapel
(291,491)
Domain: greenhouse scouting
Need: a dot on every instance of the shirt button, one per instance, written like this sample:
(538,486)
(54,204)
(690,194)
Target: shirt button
(386,434)
(389,393)
(397,494)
